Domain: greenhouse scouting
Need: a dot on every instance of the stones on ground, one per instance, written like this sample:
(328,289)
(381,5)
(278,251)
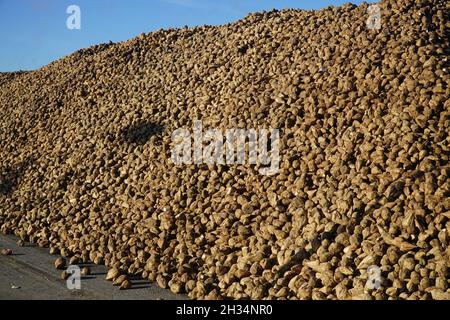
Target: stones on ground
(65,275)
(6,251)
(74,260)
(118,281)
(85,271)
(126,284)
(60,263)
(112,274)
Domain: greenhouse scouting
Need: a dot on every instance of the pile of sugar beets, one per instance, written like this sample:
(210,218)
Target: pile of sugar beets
(360,206)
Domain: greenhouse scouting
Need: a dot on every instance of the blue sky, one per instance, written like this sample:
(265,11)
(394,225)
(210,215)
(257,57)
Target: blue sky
(33,32)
